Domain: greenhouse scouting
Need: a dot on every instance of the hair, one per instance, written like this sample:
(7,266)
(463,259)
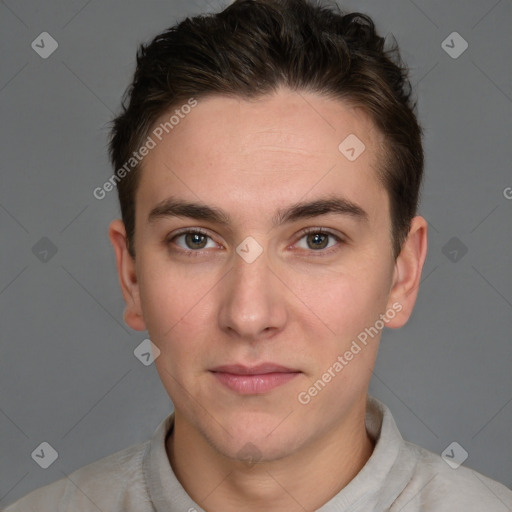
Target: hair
(252,48)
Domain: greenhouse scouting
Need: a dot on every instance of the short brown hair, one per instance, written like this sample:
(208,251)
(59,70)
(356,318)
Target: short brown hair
(250,49)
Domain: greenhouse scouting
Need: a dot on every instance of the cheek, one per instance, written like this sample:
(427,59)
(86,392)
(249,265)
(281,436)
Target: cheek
(342,359)
(175,305)
(347,301)
(177,325)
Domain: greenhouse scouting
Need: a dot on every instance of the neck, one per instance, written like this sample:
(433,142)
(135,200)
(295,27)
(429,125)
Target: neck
(305,480)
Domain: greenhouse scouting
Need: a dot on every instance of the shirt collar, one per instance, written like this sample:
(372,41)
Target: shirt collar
(385,474)
(379,482)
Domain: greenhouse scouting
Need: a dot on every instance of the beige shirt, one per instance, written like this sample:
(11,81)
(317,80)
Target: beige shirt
(399,476)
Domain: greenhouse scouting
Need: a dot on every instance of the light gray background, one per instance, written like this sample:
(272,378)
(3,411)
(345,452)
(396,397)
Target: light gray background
(68,374)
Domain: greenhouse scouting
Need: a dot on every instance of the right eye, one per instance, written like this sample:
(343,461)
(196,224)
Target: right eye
(192,241)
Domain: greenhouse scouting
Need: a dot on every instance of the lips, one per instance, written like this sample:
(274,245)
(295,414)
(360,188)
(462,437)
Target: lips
(261,369)
(253,380)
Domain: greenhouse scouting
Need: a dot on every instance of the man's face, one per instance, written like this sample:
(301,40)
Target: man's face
(256,289)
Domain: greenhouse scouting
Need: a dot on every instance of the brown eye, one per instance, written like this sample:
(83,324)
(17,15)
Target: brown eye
(192,241)
(317,240)
(195,240)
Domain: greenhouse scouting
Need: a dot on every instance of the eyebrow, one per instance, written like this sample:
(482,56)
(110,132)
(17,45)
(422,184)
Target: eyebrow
(172,207)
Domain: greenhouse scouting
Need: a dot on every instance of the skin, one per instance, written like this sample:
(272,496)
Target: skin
(296,305)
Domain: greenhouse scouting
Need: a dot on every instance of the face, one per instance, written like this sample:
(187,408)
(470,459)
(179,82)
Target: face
(262,254)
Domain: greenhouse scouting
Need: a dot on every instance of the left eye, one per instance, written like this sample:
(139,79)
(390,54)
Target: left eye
(316,240)
(194,240)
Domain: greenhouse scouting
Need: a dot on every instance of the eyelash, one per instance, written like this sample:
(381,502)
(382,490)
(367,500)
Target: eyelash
(303,233)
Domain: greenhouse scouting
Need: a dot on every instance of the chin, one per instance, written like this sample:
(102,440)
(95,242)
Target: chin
(259,451)
(254,440)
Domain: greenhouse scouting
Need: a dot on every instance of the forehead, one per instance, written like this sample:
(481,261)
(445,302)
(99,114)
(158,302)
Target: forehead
(275,149)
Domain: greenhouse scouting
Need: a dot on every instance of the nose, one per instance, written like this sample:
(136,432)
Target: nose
(253,305)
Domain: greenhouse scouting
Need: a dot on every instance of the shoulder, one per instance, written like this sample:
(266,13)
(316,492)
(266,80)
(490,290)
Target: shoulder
(436,486)
(109,483)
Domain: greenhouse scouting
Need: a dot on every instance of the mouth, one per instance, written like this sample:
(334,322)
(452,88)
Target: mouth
(253,380)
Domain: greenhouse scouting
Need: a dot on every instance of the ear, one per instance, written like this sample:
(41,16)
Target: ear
(407,273)
(127,276)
